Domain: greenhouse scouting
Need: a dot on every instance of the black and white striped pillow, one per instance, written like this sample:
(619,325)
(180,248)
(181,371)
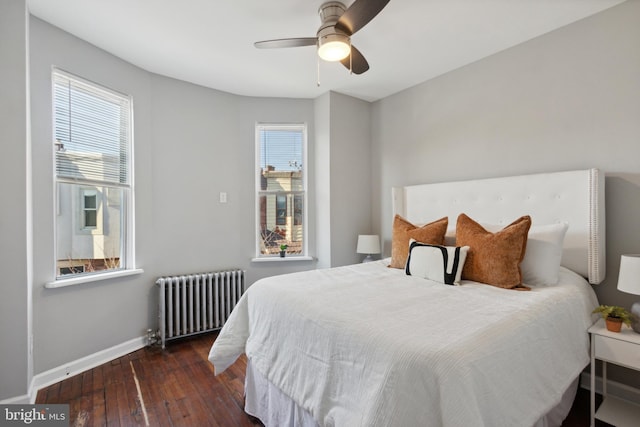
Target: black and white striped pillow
(438,263)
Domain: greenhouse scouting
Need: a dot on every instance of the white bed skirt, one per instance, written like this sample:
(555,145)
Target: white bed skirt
(266,402)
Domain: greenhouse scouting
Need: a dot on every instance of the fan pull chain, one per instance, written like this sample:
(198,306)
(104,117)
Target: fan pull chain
(318,69)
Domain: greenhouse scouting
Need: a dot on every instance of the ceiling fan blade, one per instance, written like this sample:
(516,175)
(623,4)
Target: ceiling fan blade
(359,14)
(278,43)
(355,62)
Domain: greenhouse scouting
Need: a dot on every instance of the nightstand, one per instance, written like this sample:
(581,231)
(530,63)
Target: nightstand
(620,348)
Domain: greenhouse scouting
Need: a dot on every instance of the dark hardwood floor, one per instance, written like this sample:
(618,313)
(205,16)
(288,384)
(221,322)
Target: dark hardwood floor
(176,387)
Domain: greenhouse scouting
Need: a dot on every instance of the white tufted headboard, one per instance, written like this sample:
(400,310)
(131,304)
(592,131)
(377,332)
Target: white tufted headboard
(575,197)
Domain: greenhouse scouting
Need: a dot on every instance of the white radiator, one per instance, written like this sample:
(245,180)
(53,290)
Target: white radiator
(196,303)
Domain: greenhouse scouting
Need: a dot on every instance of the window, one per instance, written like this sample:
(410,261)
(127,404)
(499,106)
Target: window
(89,209)
(281,209)
(281,189)
(92,147)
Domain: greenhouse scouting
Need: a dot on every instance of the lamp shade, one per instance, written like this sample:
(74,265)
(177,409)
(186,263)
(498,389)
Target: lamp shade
(332,45)
(629,278)
(368,244)
(334,51)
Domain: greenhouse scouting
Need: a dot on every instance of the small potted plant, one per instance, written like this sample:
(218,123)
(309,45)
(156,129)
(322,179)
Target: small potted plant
(614,316)
(283,250)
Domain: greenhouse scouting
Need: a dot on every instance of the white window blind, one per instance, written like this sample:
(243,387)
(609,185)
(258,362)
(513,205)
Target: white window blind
(281,149)
(92,132)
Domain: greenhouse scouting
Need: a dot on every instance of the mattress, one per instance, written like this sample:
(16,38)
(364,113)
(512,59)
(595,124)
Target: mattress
(366,345)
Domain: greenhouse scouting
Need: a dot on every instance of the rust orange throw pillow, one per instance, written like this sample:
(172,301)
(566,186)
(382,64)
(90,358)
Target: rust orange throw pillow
(494,258)
(403,231)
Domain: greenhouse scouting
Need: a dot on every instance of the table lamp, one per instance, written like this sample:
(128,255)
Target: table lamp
(368,244)
(629,282)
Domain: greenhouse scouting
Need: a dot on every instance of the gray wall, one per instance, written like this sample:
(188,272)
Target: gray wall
(191,143)
(15,233)
(350,171)
(566,100)
(343,174)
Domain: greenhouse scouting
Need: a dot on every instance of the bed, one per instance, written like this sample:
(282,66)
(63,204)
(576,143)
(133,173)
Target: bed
(369,345)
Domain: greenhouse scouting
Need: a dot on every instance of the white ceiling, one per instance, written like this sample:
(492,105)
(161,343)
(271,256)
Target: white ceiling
(210,42)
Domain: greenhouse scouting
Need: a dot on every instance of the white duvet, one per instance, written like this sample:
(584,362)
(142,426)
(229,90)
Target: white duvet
(366,345)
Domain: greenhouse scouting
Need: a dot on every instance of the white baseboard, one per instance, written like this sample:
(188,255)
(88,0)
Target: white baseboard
(75,367)
(19,400)
(614,388)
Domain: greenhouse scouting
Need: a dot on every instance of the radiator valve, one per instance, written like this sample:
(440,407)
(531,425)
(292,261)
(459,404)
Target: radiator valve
(153,337)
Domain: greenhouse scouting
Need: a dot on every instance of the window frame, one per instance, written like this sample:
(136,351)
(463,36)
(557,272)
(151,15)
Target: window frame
(304,193)
(127,243)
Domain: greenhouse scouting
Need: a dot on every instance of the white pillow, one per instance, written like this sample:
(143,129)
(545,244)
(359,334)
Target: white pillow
(541,263)
(438,263)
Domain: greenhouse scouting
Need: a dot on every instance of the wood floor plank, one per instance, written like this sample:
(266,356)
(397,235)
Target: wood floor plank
(80,411)
(125,411)
(98,379)
(215,396)
(41,395)
(154,378)
(50,394)
(131,397)
(174,397)
(97,415)
(112,412)
(107,374)
(75,390)
(87,381)
(194,400)
(177,388)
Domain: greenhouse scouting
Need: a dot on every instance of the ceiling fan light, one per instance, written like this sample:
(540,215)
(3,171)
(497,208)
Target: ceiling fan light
(334,47)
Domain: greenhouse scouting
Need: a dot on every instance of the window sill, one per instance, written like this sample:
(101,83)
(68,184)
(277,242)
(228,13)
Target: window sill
(285,259)
(61,283)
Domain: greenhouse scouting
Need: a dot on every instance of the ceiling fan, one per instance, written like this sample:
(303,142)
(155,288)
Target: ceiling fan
(333,38)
